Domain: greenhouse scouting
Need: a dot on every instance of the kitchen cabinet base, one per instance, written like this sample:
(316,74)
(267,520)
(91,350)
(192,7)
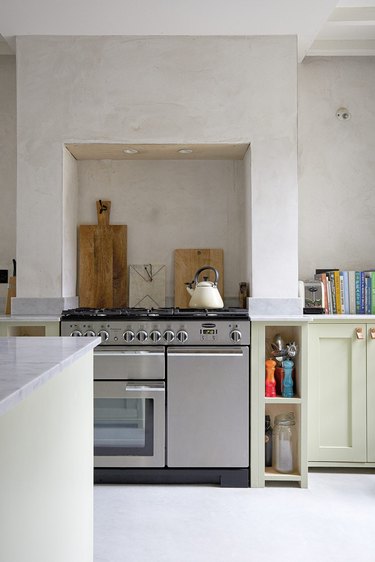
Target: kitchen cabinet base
(224,477)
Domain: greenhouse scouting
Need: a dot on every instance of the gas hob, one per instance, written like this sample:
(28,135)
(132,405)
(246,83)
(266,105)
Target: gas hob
(163,326)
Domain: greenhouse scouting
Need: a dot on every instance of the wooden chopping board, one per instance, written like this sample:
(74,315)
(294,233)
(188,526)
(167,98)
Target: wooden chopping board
(187,263)
(103,280)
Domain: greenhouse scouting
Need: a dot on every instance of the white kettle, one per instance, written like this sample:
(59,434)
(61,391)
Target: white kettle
(205,294)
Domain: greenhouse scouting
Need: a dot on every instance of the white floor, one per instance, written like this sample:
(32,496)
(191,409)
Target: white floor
(333,520)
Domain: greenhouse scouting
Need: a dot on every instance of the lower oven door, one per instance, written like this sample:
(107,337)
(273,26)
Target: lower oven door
(208,407)
(129,424)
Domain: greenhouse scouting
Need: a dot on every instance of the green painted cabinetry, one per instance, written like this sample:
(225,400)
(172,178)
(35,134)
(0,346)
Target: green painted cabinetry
(341,391)
(29,328)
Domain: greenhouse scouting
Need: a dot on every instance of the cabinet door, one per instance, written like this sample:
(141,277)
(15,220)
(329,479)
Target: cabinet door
(370,393)
(337,393)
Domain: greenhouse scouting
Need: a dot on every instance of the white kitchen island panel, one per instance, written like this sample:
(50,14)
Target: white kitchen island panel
(46,437)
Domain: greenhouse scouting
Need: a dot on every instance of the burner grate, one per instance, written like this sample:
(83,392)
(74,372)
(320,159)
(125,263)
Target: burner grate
(118,313)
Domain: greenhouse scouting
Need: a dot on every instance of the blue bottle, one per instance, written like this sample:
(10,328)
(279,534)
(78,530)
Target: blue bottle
(288,381)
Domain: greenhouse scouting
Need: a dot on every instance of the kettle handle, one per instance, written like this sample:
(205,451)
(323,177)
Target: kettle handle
(203,269)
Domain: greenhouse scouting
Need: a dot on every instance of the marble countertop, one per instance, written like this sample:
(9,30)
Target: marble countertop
(28,318)
(27,363)
(280,318)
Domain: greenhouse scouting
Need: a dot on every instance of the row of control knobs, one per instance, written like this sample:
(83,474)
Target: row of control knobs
(155,336)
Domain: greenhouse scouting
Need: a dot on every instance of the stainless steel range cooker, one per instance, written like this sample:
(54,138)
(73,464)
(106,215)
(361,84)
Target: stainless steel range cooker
(171,393)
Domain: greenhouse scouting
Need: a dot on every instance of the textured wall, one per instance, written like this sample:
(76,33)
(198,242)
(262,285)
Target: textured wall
(160,89)
(8,165)
(336,164)
(168,205)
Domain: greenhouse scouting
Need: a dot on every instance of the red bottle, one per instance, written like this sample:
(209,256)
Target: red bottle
(270,378)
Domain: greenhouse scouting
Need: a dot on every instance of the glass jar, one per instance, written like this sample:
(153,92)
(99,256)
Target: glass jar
(284,443)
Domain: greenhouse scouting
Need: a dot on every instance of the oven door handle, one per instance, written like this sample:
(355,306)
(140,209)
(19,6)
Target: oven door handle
(136,387)
(120,353)
(206,353)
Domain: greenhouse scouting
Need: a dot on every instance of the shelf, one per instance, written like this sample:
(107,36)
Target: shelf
(282,400)
(272,475)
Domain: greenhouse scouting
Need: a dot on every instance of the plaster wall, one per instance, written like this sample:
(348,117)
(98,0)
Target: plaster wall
(169,204)
(8,166)
(336,164)
(69,213)
(164,90)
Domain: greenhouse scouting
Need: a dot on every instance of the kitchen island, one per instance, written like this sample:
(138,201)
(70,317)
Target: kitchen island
(46,436)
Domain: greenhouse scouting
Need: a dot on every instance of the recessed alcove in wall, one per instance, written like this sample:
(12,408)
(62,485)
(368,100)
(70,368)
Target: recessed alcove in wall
(172,200)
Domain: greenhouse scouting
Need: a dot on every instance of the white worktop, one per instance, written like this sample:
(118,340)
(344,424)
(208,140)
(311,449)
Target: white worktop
(28,318)
(27,363)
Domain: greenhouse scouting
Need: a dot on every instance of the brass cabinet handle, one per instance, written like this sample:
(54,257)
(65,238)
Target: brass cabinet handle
(359,333)
(372,333)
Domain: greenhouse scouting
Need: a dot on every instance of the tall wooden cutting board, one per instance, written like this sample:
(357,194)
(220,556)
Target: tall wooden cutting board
(186,264)
(103,280)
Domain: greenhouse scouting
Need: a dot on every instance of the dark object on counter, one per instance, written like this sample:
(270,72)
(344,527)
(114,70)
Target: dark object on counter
(3,276)
(313,310)
(268,441)
(11,289)
(243,294)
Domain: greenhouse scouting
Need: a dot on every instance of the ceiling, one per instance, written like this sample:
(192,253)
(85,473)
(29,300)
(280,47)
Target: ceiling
(323,27)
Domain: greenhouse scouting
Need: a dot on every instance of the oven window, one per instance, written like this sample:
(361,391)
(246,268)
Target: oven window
(123,427)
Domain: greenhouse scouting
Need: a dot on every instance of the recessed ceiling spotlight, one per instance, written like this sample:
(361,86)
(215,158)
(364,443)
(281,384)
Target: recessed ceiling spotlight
(130,151)
(185,151)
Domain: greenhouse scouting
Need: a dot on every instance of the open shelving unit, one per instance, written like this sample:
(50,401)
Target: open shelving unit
(263,333)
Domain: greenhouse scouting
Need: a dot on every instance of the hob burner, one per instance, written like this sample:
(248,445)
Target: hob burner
(171,312)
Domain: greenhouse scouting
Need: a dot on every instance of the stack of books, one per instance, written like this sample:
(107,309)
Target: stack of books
(347,292)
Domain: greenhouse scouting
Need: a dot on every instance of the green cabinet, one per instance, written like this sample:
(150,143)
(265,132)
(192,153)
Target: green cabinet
(341,391)
(30,327)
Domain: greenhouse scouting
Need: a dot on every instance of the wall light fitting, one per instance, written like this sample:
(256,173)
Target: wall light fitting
(185,150)
(343,114)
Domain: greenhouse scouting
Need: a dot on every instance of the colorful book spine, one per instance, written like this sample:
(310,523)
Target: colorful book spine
(358,292)
(331,276)
(329,295)
(351,275)
(372,292)
(322,277)
(345,275)
(336,275)
(342,302)
(368,291)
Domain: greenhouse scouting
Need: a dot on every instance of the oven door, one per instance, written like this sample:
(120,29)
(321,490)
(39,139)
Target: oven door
(129,424)
(127,363)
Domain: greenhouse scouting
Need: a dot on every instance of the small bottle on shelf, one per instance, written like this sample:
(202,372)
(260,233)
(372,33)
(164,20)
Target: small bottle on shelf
(270,378)
(268,441)
(283,447)
(288,380)
(279,377)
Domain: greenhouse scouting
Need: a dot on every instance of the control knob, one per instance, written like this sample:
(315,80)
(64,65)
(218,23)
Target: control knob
(128,336)
(155,336)
(76,333)
(182,336)
(235,336)
(168,336)
(89,333)
(104,335)
(141,335)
